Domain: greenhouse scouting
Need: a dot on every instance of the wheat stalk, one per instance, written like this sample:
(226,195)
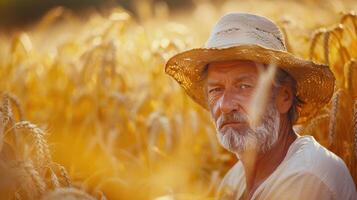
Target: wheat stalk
(17,196)
(6,110)
(43,152)
(35,177)
(337,32)
(67,193)
(317,34)
(287,43)
(15,101)
(99,194)
(355,127)
(54,179)
(333,117)
(260,97)
(314,122)
(63,174)
(129,60)
(349,74)
(353,17)
(326,47)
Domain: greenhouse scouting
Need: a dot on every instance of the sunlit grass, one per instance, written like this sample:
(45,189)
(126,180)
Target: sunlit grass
(120,126)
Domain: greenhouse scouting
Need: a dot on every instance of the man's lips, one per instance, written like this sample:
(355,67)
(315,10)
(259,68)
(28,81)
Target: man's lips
(230,123)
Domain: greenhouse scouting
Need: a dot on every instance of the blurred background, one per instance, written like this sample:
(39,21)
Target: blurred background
(19,13)
(87,111)
(24,12)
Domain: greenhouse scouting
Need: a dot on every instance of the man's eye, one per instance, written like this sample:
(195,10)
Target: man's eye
(244,86)
(214,90)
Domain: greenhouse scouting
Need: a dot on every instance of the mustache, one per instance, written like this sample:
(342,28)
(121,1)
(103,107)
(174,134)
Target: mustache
(232,117)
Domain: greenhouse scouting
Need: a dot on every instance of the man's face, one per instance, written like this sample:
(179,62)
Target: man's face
(230,87)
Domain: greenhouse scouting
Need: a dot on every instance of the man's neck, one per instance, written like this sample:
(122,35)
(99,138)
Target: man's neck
(259,166)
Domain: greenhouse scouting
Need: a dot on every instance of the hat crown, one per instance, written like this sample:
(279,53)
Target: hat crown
(236,29)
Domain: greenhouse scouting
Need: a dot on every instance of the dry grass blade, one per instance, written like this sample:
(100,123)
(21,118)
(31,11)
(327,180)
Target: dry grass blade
(51,17)
(333,116)
(261,95)
(67,193)
(6,111)
(316,36)
(286,39)
(54,179)
(99,195)
(17,196)
(35,177)
(353,17)
(350,70)
(15,101)
(309,129)
(338,33)
(102,90)
(326,47)
(158,123)
(43,152)
(63,174)
(355,128)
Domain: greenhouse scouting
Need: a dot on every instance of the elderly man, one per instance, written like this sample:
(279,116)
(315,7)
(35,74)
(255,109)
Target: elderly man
(274,162)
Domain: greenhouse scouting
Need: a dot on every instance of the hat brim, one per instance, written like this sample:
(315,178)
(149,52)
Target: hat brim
(315,82)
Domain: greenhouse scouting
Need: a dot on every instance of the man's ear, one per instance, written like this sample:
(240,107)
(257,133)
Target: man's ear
(284,98)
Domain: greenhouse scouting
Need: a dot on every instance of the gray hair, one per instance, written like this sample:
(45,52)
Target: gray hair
(281,78)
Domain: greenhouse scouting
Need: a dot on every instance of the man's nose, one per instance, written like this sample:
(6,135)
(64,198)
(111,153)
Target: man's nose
(228,102)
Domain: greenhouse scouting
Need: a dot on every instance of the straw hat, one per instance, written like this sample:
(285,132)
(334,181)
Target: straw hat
(242,36)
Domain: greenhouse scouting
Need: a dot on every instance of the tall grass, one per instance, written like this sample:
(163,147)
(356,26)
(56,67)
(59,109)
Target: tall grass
(88,112)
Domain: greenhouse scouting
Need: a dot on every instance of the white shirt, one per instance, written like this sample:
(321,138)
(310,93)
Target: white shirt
(308,171)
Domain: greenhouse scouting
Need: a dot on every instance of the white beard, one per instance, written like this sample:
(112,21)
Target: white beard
(261,139)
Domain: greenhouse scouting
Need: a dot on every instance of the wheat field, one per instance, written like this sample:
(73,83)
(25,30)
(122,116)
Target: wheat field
(87,111)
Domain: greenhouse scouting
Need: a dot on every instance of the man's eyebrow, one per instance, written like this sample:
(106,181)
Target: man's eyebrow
(236,80)
(243,78)
(213,83)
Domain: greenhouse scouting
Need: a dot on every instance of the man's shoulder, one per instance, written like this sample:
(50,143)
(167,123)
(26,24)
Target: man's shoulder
(234,176)
(306,154)
(232,183)
(307,157)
